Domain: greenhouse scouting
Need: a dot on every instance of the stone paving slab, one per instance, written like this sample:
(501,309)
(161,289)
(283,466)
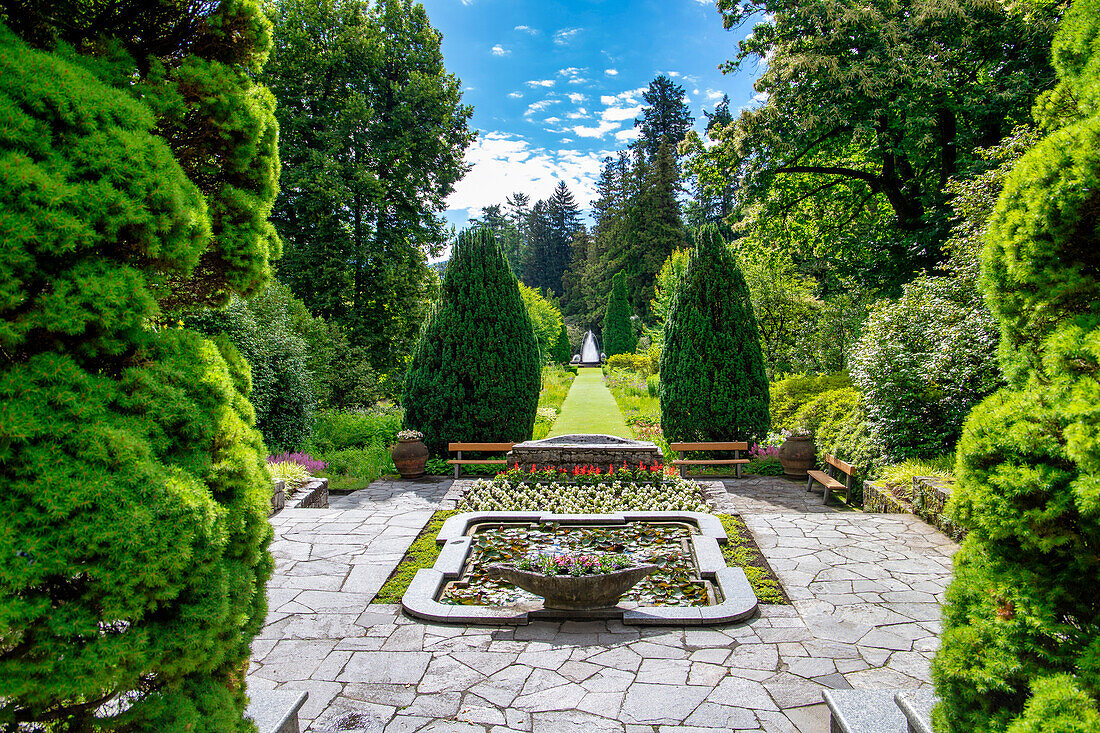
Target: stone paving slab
(865,590)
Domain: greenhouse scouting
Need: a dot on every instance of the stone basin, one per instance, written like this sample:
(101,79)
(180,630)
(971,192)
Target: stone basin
(575,592)
(585,449)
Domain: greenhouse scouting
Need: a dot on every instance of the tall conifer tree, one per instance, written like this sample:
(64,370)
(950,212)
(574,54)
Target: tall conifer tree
(618,332)
(475,374)
(713,384)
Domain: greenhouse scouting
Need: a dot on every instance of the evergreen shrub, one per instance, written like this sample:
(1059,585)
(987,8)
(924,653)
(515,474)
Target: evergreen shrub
(713,385)
(340,429)
(637,363)
(475,373)
(1021,643)
(618,332)
(790,394)
(133,520)
(561,353)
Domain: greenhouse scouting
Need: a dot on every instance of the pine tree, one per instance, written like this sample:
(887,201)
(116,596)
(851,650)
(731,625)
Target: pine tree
(665,119)
(133,520)
(713,384)
(1021,642)
(618,331)
(475,373)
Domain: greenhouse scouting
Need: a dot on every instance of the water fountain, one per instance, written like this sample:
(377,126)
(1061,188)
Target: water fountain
(590,350)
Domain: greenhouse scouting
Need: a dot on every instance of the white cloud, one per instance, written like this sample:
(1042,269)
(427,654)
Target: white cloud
(578,80)
(608,99)
(611,72)
(552,120)
(571,71)
(629,134)
(541,83)
(673,74)
(539,106)
(602,128)
(515,95)
(565,36)
(613,114)
(499,50)
(502,164)
(581,113)
(526,29)
(577,97)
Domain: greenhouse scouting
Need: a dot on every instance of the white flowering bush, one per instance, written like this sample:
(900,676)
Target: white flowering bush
(502,494)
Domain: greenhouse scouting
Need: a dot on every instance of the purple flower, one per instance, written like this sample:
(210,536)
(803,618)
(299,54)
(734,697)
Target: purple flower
(305,460)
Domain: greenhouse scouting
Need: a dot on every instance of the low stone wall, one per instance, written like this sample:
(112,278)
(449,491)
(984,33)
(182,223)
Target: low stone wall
(878,499)
(930,497)
(278,496)
(312,495)
(567,451)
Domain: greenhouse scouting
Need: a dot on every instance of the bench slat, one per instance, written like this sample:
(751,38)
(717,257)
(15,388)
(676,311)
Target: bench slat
(455,461)
(825,479)
(479,446)
(717,462)
(839,464)
(681,447)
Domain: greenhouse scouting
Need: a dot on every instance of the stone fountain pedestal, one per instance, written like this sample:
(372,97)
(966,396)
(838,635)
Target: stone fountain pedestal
(567,451)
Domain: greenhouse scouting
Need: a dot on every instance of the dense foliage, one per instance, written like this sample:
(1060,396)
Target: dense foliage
(133,517)
(618,332)
(868,112)
(372,136)
(560,352)
(923,362)
(713,385)
(475,372)
(1021,643)
(545,320)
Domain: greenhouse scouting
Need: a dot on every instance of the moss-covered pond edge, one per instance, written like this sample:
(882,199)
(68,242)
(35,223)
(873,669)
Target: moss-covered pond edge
(739,601)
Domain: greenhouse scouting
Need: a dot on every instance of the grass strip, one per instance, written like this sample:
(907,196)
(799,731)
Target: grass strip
(422,553)
(742,552)
(590,408)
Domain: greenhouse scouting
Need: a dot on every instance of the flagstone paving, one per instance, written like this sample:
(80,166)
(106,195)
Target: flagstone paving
(866,592)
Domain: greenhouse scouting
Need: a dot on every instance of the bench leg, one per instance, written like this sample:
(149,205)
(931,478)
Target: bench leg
(848,491)
(809,483)
(458,467)
(737,455)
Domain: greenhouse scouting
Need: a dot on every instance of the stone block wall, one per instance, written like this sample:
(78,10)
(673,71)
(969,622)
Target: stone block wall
(930,497)
(878,499)
(278,495)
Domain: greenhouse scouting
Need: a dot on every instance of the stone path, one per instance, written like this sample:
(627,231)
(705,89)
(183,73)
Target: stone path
(865,588)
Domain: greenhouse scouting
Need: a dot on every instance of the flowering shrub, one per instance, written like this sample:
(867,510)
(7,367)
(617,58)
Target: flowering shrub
(590,493)
(574,565)
(312,465)
(409,435)
(292,473)
(763,450)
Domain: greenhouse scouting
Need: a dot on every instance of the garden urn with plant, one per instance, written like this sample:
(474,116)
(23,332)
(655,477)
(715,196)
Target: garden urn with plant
(575,582)
(410,455)
(797,455)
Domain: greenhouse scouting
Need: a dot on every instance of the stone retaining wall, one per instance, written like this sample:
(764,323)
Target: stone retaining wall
(278,496)
(930,497)
(878,499)
(567,451)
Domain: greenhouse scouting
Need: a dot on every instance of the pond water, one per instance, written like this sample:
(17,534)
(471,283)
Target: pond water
(666,545)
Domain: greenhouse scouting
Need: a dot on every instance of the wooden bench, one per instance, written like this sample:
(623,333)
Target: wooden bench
(459,462)
(830,483)
(736,461)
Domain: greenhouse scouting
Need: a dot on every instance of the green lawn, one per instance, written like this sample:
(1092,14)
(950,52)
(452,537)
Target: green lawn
(590,408)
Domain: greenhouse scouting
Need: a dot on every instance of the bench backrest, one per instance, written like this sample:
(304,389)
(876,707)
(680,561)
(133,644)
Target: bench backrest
(479,446)
(681,447)
(840,465)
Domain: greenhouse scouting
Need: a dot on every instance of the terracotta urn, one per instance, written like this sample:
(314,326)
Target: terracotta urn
(797,455)
(410,455)
(574,592)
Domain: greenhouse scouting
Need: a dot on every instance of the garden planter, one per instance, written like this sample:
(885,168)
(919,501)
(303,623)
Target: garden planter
(797,455)
(575,592)
(410,455)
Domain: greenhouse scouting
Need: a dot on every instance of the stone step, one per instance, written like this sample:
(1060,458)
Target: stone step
(880,711)
(276,711)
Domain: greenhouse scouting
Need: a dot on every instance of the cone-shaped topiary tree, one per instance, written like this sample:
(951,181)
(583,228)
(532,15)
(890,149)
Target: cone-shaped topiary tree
(1021,643)
(618,334)
(475,373)
(713,385)
(561,353)
(133,516)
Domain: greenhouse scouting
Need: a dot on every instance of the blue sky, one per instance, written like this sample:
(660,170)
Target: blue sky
(556,84)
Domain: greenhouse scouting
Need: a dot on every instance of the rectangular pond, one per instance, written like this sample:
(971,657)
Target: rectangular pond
(692,585)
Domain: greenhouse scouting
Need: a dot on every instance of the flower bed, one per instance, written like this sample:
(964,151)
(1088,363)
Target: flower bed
(583,492)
